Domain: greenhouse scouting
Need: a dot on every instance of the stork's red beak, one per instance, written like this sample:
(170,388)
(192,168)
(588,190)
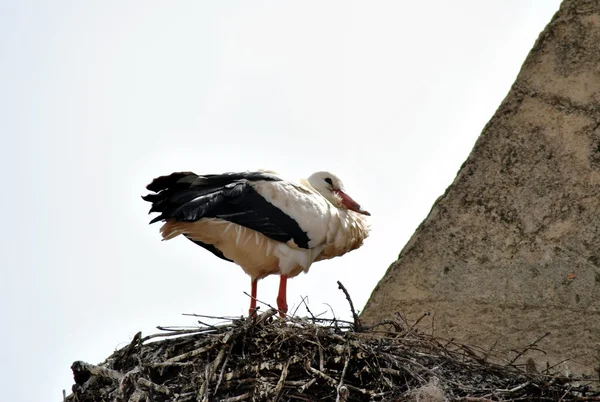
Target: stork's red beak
(350,203)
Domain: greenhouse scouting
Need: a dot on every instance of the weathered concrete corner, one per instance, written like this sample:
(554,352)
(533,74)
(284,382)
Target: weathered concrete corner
(512,249)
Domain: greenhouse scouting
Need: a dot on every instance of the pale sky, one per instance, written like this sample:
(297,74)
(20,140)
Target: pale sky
(98,98)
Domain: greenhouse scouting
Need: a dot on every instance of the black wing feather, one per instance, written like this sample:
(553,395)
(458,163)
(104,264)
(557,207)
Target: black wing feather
(186,196)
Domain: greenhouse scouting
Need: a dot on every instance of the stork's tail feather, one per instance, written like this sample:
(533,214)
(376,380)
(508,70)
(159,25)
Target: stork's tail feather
(173,229)
(165,182)
(166,189)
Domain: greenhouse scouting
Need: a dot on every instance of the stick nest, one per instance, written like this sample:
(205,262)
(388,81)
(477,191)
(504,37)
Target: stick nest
(309,359)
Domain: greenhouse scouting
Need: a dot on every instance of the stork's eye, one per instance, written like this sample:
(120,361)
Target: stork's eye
(329,181)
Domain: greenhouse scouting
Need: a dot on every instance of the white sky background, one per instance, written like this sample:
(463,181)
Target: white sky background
(98,98)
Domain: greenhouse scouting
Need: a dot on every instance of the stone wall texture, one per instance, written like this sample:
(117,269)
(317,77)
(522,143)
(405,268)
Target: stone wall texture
(512,249)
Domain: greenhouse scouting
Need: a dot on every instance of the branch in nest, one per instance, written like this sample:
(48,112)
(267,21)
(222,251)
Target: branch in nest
(144,383)
(357,324)
(242,397)
(342,391)
(529,347)
(83,369)
(191,354)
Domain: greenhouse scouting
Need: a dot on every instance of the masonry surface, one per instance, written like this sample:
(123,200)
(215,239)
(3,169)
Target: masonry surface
(512,249)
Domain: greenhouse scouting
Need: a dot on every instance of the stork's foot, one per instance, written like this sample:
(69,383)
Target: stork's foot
(282,297)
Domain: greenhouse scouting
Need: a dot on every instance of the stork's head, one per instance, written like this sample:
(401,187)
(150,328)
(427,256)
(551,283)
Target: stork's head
(331,187)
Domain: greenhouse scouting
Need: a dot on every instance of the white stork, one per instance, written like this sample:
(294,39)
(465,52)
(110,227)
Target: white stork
(261,222)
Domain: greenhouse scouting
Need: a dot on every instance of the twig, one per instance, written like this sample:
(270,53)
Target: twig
(528,347)
(212,317)
(267,304)
(489,351)
(204,385)
(280,383)
(207,325)
(320,351)
(237,398)
(393,323)
(223,369)
(307,309)
(342,396)
(305,386)
(104,372)
(138,396)
(170,364)
(142,382)
(548,368)
(357,325)
(191,354)
(425,314)
(515,389)
(333,320)
(172,333)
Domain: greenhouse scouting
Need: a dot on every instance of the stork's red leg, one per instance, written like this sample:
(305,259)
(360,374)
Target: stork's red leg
(252,310)
(281,297)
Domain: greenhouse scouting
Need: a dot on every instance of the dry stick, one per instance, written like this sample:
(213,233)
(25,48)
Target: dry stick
(299,397)
(402,318)
(307,309)
(170,364)
(320,350)
(269,306)
(339,392)
(548,368)
(121,389)
(223,368)
(333,320)
(144,383)
(203,391)
(515,389)
(280,383)
(171,333)
(138,396)
(393,323)
(237,398)
(490,350)
(565,394)
(305,386)
(343,394)
(97,370)
(333,382)
(190,354)
(212,317)
(324,376)
(207,325)
(184,397)
(425,314)
(256,368)
(298,306)
(528,347)
(357,325)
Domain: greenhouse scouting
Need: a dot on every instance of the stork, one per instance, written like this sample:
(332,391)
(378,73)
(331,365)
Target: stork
(256,219)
